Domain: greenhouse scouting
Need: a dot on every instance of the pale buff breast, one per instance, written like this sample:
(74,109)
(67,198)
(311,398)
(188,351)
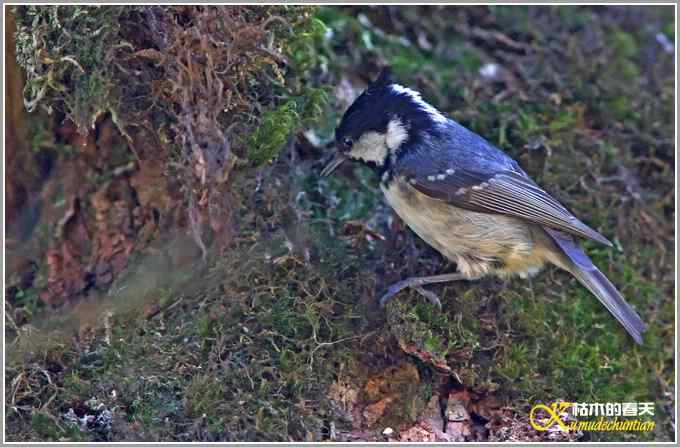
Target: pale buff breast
(479,243)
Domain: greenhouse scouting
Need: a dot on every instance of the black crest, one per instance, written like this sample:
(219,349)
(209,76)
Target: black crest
(383,80)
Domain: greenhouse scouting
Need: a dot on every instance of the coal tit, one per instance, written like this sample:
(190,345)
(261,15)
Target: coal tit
(465,197)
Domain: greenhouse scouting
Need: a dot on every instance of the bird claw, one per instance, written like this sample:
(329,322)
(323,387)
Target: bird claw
(431,297)
(391,292)
(398,287)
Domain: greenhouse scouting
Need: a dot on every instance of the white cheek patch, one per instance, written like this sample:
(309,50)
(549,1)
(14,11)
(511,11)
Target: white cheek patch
(396,134)
(371,147)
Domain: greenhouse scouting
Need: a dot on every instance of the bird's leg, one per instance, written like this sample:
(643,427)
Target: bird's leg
(417,283)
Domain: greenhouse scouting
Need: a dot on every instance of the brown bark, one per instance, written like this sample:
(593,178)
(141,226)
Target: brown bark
(18,174)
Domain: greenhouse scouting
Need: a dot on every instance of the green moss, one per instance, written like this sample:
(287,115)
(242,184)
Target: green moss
(279,124)
(305,101)
(66,53)
(76,385)
(204,396)
(669,29)
(90,99)
(620,108)
(29,300)
(45,427)
(623,44)
(304,45)
(563,120)
(288,335)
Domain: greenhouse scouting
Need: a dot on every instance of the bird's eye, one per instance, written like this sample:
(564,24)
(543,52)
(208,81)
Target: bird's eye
(347,142)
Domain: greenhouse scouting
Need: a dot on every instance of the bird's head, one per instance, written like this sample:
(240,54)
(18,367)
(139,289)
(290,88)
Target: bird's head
(380,122)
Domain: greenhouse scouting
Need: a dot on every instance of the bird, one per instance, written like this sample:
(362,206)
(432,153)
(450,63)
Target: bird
(465,197)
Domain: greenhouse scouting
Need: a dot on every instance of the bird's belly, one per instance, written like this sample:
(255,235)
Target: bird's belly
(479,243)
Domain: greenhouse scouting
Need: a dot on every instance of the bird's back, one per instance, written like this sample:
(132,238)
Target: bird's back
(454,145)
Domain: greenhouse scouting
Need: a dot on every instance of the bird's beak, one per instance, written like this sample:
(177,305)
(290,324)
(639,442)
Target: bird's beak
(332,165)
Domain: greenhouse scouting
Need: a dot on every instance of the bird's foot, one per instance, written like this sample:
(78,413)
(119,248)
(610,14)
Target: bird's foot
(431,296)
(417,285)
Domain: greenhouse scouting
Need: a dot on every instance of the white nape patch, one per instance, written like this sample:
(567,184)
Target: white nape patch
(396,134)
(416,98)
(371,147)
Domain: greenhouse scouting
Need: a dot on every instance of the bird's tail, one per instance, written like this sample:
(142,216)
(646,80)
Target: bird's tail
(580,265)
